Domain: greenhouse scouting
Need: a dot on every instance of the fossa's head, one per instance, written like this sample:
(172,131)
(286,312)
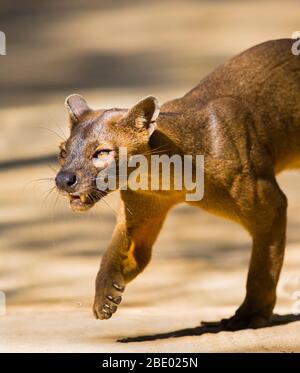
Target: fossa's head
(94,141)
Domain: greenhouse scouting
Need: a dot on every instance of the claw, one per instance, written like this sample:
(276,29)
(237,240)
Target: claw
(119,287)
(107,313)
(116,300)
(112,309)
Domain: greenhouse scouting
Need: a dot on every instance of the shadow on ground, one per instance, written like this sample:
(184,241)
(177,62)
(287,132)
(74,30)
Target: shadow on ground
(203,329)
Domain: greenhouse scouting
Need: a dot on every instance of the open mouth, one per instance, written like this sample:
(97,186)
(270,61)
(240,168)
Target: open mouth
(82,201)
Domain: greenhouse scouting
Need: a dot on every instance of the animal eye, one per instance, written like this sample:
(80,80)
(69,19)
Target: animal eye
(63,153)
(101,153)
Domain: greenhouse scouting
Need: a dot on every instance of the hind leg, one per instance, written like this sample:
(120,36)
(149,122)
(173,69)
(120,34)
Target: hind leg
(264,215)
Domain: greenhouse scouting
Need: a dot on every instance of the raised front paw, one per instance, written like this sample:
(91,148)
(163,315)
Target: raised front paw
(108,296)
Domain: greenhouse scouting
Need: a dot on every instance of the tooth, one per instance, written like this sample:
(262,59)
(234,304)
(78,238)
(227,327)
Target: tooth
(82,198)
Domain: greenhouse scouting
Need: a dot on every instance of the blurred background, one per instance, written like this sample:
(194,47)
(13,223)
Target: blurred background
(114,53)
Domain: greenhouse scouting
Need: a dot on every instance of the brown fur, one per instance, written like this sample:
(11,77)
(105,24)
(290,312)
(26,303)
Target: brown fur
(245,119)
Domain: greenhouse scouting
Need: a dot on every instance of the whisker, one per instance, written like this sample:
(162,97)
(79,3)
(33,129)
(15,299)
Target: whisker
(107,204)
(153,152)
(57,126)
(49,192)
(102,195)
(127,208)
(55,202)
(55,170)
(61,131)
(52,131)
(35,181)
(41,180)
(162,148)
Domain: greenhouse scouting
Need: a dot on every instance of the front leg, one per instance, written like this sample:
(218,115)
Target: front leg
(110,280)
(139,223)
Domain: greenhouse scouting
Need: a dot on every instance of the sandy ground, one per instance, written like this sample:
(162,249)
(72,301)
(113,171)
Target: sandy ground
(198,271)
(115,53)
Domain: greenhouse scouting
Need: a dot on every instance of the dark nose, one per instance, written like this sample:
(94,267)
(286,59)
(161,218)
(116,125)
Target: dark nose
(66,180)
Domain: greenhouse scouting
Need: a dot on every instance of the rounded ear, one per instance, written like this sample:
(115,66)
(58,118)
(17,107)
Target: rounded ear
(144,114)
(76,106)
